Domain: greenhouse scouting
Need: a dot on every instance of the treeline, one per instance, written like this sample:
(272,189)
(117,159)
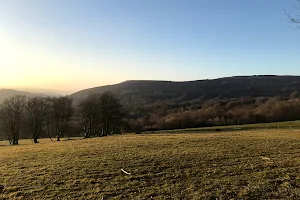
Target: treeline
(97,115)
(103,115)
(216,112)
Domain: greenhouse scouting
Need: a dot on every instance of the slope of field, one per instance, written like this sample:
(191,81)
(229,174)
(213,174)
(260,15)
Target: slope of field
(288,125)
(246,164)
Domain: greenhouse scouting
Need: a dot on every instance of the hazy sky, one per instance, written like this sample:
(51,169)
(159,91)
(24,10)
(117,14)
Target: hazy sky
(75,44)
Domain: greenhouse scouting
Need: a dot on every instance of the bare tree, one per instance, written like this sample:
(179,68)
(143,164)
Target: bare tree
(11,116)
(101,114)
(37,110)
(294,17)
(49,117)
(62,112)
(110,113)
(89,113)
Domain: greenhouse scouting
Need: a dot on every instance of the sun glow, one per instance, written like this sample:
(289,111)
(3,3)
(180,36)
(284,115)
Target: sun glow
(23,66)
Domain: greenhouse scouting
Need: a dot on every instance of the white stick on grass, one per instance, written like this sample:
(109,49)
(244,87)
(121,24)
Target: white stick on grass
(125,172)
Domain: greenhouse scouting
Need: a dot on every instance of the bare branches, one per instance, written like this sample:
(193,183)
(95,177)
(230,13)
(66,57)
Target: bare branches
(295,17)
(292,18)
(101,114)
(61,113)
(89,111)
(11,114)
(37,110)
(43,114)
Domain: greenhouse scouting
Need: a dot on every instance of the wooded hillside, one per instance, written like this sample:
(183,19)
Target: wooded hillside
(156,105)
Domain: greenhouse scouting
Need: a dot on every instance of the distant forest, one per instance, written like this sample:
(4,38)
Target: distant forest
(216,112)
(139,106)
(157,105)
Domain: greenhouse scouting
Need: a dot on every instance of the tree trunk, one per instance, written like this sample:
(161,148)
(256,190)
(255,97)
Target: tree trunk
(49,136)
(88,131)
(15,142)
(58,138)
(106,129)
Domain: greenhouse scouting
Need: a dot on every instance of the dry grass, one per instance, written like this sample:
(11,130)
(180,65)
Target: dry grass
(247,164)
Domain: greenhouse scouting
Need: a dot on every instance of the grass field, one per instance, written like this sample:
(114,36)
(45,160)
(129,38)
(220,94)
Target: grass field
(257,164)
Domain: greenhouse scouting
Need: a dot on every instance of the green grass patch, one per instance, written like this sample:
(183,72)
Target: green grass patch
(274,125)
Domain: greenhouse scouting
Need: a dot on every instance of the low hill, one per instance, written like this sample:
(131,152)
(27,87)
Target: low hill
(7,93)
(231,87)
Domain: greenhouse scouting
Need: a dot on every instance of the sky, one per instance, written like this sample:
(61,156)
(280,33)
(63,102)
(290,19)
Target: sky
(69,45)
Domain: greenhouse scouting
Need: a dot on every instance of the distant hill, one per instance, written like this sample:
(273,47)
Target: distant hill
(147,92)
(7,93)
(47,92)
